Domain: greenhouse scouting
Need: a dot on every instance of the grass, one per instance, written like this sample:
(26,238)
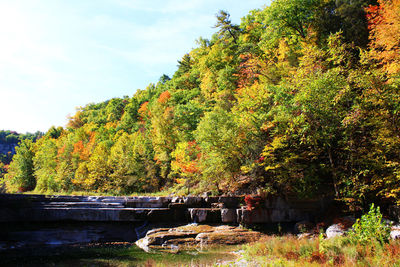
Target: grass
(269,251)
(291,251)
(111,255)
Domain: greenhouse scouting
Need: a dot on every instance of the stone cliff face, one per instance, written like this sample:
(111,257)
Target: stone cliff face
(84,219)
(222,209)
(5,148)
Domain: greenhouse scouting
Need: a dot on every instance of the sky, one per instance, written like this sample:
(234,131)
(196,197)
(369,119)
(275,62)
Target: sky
(57,55)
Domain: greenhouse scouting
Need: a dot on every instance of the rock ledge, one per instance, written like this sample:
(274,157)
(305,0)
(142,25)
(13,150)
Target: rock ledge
(195,236)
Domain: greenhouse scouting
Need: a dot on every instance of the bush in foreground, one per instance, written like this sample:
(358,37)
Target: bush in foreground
(367,244)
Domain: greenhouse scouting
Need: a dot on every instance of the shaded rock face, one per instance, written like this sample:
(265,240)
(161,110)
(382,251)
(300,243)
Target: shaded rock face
(38,208)
(142,213)
(194,235)
(5,148)
(200,215)
(20,235)
(303,227)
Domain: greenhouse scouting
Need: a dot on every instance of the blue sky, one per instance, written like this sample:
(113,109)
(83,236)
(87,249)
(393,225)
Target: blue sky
(56,55)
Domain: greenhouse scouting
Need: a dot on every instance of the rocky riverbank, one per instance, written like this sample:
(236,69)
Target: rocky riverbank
(63,220)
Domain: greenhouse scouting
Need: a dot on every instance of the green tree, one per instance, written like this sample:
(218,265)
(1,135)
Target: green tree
(65,171)
(45,165)
(98,168)
(20,176)
(346,16)
(219,140)
(288,18)
(227,30)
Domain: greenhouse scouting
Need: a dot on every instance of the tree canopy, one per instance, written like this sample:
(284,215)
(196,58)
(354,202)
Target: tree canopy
(302,98)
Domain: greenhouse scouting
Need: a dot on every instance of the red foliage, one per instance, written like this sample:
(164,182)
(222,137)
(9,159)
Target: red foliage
(248,71)
(318,257)
(292,256)
(253,202)
(373,16)
(260,159)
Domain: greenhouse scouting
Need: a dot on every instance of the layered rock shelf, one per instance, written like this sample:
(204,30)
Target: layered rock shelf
(27,220)
(228,210)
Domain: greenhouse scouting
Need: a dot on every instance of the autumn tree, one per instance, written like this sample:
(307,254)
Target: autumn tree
(20,176)
(384,25)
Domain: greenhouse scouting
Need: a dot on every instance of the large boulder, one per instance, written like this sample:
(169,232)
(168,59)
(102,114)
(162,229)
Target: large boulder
(395,232)
(340,226)
(335,230)
(195,235)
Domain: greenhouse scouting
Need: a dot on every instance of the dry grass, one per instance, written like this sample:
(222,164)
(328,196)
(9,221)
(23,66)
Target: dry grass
(291,251)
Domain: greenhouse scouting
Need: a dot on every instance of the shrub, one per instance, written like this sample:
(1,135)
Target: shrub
(370,228)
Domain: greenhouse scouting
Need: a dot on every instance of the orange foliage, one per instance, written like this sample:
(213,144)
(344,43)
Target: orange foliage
(143,110)
(190,167)
(110,125)
(384,25)
(164,97)
(78,147)
(180,180)
(188,161)
(61,151)
(85,150)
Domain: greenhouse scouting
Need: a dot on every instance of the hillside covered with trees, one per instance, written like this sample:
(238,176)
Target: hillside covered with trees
(302,98)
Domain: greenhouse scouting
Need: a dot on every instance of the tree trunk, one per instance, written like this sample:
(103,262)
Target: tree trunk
(334,174)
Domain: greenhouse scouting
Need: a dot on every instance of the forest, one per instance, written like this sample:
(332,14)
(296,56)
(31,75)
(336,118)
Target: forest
(301,99)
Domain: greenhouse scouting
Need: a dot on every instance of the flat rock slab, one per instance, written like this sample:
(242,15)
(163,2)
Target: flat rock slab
(90,214)
(195,235)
